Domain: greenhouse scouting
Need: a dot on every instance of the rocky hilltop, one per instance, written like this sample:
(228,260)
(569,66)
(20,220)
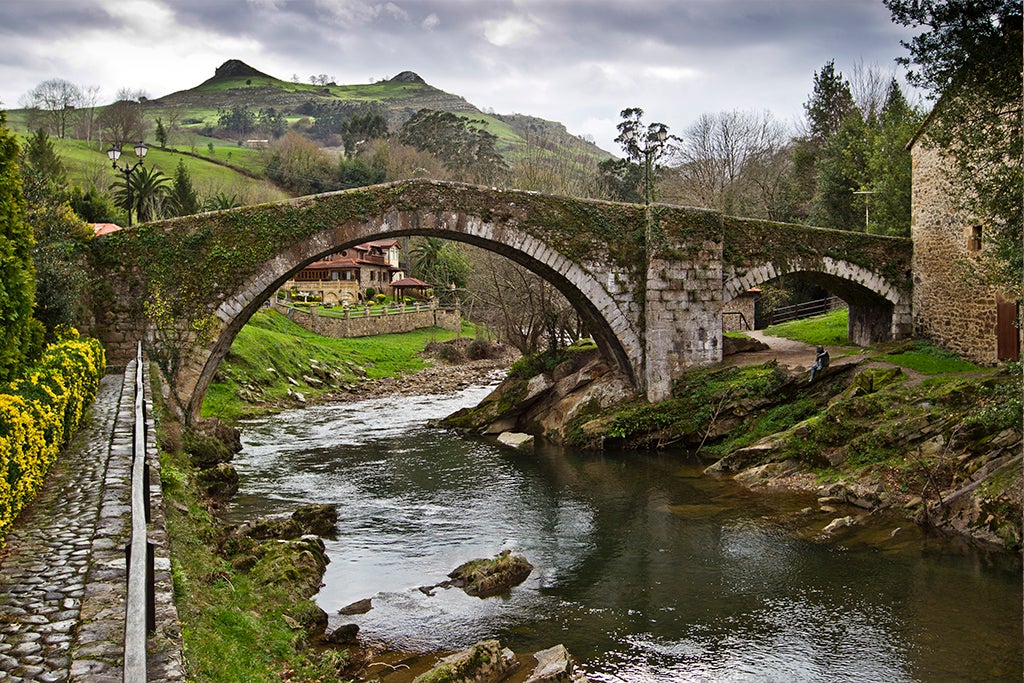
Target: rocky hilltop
(237,84)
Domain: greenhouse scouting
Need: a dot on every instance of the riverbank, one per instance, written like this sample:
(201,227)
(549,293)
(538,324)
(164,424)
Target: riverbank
(902,426)
(275,364)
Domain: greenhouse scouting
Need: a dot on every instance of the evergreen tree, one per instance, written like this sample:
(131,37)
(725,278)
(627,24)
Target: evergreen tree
(59,253)
(831,102)
(889,165)
(92,206)
(841,171)
(182,196)
(20,335)
(161,133)
(42,156)
(466,148)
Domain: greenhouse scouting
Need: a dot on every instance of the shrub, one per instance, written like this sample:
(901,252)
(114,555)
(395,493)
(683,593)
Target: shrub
(38,416)
(370,293)
(481,349)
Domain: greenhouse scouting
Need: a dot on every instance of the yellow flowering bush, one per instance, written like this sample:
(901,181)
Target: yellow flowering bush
(39,414)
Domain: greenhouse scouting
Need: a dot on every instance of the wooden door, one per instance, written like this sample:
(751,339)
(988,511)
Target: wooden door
(1007,332)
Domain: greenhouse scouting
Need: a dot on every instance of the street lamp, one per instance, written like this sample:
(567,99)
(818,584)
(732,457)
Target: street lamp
(867,215)
(114,153)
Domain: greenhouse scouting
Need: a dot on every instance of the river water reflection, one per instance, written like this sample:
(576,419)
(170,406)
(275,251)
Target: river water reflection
(645,569)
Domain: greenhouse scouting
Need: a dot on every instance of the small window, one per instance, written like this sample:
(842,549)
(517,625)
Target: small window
(974,238)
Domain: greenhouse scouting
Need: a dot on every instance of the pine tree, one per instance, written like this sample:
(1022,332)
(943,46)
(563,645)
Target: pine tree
(831,102)
(182,196)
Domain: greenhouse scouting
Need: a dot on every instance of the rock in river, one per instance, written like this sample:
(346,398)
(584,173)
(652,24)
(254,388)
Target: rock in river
(486,577)
(485,662)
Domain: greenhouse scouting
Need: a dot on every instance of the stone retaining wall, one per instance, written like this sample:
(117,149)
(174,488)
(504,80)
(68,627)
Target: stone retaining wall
(367,326)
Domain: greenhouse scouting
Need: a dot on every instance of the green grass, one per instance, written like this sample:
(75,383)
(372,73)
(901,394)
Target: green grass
(270,340)
(928,360)
(827,330)
(235,630)
(86,164)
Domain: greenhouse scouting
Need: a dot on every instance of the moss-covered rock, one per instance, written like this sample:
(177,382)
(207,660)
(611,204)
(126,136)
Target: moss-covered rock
(485,577)
(485,662)
(296,566)
(219,482)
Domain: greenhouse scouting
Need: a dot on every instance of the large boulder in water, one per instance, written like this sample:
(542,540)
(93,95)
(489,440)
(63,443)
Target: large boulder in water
(485,577)
(556,665)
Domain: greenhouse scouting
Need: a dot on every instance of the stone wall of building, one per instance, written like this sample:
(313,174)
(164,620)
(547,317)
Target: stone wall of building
(369,325)
(949,307)
(738,314)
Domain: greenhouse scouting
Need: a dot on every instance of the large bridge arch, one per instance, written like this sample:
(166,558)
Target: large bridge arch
(615,335)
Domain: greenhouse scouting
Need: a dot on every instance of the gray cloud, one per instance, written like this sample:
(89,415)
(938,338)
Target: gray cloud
(577,61)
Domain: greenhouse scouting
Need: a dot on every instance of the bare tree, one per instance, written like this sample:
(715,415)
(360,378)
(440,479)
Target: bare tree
(726,161)
(523,308)
(122,123)
(869,85)
(87,112)
(58,100)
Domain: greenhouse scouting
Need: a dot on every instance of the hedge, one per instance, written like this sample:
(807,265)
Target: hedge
(38,416)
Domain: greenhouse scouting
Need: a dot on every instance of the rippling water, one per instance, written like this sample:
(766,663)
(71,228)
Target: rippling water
(645,569)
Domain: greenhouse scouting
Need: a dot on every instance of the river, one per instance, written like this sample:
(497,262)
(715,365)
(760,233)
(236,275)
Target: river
(645,569)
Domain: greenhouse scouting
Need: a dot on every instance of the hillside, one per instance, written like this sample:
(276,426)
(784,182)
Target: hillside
(235,84)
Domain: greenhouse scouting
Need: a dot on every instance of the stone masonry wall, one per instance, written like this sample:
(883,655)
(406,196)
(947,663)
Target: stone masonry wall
(742,305)
(683,311)
(948,308)
(367,326)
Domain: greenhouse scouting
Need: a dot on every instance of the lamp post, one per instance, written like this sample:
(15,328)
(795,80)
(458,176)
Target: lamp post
(657,134)
(114,153)
(867,215)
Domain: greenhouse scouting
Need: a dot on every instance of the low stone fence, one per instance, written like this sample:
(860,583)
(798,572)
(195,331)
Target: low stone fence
(375,323)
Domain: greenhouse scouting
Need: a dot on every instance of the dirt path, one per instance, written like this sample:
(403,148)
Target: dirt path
(794,355)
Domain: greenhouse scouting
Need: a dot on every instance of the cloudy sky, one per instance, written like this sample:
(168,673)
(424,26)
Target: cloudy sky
(575,61)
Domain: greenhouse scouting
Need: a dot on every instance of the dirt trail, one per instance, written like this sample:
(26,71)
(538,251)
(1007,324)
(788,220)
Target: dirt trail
(789,353)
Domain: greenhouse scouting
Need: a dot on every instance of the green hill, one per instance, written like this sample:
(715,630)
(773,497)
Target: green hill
(235,84)
(233,160)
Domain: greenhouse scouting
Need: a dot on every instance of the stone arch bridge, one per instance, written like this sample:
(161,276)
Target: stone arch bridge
(649,281)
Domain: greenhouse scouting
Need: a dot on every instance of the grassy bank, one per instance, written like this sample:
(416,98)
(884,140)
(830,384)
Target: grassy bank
(273,358)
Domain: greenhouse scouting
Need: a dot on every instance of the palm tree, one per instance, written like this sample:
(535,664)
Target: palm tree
(426,255)
(221,200)
(149,188)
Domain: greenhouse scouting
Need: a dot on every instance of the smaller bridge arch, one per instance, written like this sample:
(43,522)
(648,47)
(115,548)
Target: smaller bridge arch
(871,273)
(878,309)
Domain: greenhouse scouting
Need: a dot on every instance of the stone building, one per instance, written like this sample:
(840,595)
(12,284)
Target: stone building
(344,277)
(953,310)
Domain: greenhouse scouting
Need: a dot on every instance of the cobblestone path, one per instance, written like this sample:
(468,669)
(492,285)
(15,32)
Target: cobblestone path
(45,566)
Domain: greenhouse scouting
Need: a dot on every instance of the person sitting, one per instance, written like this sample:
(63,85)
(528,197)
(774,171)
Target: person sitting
(820,362)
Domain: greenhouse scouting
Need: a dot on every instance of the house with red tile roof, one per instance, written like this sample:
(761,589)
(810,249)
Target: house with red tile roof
(345,276)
